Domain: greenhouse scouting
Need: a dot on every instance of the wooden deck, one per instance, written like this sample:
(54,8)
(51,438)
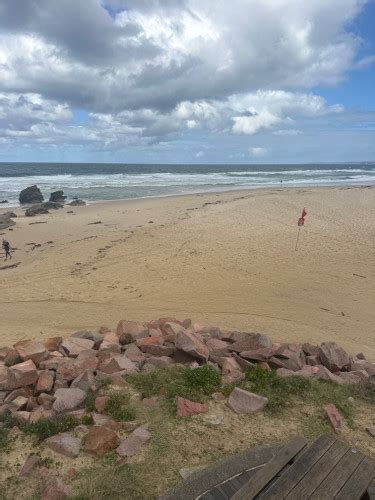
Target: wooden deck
(324,470)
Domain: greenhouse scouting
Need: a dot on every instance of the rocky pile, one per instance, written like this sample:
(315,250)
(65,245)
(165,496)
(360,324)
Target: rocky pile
(45,379)
(33,196)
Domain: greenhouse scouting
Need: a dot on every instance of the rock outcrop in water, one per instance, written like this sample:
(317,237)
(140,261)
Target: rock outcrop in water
(57,196)
(31,194)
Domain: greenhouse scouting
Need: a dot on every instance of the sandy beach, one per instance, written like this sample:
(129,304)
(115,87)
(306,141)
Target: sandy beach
(226,259)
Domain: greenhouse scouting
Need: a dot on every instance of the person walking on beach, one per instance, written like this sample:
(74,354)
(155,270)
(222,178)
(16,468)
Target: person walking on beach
(6,248)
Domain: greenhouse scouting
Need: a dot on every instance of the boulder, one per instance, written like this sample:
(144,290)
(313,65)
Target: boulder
(244,364)
(257,354)
(100,403)
(52,205)
(68,399)
(231,370)
(12,358)
(360,364)
(57,196)
(20,375)
(31,194)
(334,357)
(158,362)
(31,462)
(74,346)
(248,341)
(324,374)
(118,363)
(30,349)
(207,331)
(65,443)
(18,403)
(186,408)
(75,367)
(334,417)
(217,347)
(36,210)
(312,360)
(192,344)
(170,329)
(84,381)
(310,350)
(356,377)
(132,445)
(100,439)
(241,401)
(85,334)
(6,222)
(371,430)
(130,331)
(77,203)
(45,382)
(290,356)
(53,343)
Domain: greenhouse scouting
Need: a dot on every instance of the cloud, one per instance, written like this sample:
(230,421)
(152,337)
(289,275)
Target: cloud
(150,71)
(258,152)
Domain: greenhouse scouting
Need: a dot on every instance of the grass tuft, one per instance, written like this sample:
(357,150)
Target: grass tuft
(44,428)
(194,384)
(119,407)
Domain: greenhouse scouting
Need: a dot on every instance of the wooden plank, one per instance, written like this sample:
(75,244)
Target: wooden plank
(282,486)
(318,472)
(359,481)
(264,475)
(371,490)
(339,475)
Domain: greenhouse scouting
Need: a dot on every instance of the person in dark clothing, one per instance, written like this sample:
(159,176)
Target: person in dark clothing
(6,248)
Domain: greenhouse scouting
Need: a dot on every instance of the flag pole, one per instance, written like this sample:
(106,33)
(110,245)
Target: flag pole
(299,229)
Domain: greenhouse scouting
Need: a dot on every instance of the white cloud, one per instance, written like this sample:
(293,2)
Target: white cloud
(258,152)
(154,70)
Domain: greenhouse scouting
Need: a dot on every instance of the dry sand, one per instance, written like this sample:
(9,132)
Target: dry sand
(226,259)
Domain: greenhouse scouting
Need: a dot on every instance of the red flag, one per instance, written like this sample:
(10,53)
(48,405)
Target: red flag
(301,220)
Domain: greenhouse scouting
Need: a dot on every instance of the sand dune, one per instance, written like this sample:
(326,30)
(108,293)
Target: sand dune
(226,259)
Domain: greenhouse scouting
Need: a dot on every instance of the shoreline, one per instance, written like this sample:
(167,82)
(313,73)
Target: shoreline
(273,187)
(224,258)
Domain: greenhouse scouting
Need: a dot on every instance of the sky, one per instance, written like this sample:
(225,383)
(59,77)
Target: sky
(187,81)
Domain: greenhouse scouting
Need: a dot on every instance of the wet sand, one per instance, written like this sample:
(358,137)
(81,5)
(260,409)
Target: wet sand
(227,259)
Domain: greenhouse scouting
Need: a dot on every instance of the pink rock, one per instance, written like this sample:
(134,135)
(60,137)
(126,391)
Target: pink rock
(111,337)
(356,377)
(22,416)
(18,403)
(132,445)
(231,370)
(55,489)
(310,350)
(334,357)
(65,444)
(149,341)
(110,347)
(53,343)
(244,364)
(218,396)
(30,349)
(371,430)
(84,381)
(68,399)
(100,403)
(284,372)
(313,360)
(41,414)
(4,352)
(100,440)
(75,345)
(247,341)
(118,363)
(54,363)
(158,350)
(191,344)
(257,354)
(217,347)
(291,356)
(45,381)
(241,401)
(129,331)
(20,375)
(364,365)
(171,329)
(46,400)
(29,465)
(71,370)
(324,374)
(186,408)
(334,417)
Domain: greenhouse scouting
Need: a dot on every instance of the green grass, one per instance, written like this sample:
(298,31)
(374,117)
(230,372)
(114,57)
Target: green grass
(197,384)
(45,428)
(119,407)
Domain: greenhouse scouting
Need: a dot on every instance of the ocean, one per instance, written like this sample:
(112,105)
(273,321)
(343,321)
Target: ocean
(95,182)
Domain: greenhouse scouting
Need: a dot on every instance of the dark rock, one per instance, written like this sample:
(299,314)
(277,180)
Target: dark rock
(31,194)
(6,221)
(57,196)
(36,210)
(77,203)
(52,204)
(2,202)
